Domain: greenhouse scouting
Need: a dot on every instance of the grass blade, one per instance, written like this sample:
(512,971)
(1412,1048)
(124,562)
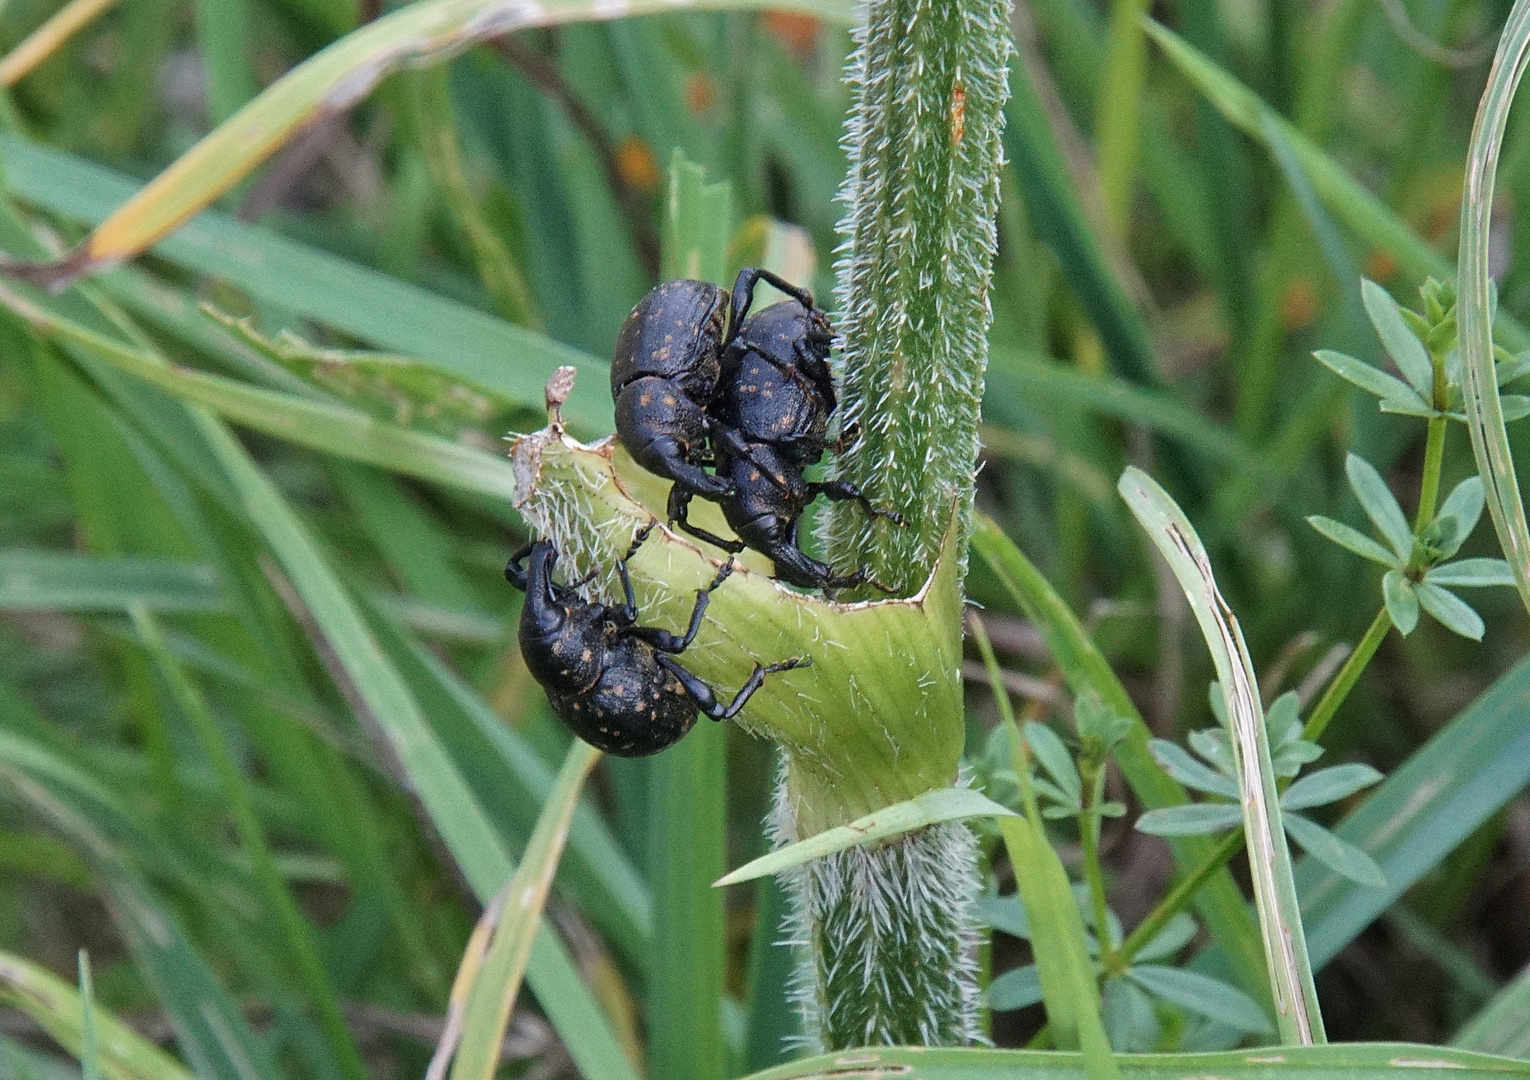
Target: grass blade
(48,38)
(487,1010)
(66,581)
(1474,309)
(1296,1004)
(1503,1025)
(452,807)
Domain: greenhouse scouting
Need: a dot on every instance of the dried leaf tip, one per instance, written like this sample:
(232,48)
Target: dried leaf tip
(560,384)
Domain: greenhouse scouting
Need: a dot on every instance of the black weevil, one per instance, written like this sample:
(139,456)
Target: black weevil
(664,375)
(609,679)
(763,512)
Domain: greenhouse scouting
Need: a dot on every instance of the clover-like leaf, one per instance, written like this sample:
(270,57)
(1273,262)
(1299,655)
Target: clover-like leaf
(1015,989)
(1329,785)
(1203,995)
(1174,936)
(1112,809)
(1289,758)
(1453,613)
(1406,350)
(1515,407)
(1098,723)
(1193,819)
(1409,407)
(1057,761)
(1370,379)
(1338,855)
(1283,719)
(1379,504)
(1178,763)
(1472,573)
(1353,540)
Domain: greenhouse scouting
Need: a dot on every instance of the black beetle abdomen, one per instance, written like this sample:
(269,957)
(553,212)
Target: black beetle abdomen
(636,709)
(652,410)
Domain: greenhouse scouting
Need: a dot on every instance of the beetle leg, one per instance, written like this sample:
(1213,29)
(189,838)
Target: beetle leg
(663,640)
(706,698)
(734,442)
(840,491)
(679,509)
(743,295)
(515,573)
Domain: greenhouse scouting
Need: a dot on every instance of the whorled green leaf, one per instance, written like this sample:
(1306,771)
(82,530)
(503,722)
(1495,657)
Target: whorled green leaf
(1015,989)
(1176,934)
(1401,601)
(1371,379)
(1178,763)
(1402,345)
(875,719)
(1379,504)
(1329,785)
(931,808)
(1197,819)
(1453,613)
(1471,573)
(1054,757)
(1202,995)
(1338,855)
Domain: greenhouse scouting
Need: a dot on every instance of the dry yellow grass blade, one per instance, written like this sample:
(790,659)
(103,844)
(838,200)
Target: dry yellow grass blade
(332,81)
(49,37)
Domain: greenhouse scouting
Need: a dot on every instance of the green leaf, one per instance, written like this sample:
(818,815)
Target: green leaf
(57,1008)
(1401,600)
(1174,936)
(1004,913)
(1405,349)
(1372,380)
(1503,1024)
(1464,503)
(1336,854)
(486,1012)
(1184,768)
(1220,902)
(1058,942)
(1353,540)
(1056,760)
(1212,744)
(66,581)
(1453,613)
(1197,819)
(1514,407)
(1202,995)
(1329,785)
(1015,989)
(1471,573)
(1337,1061)
(946,804)
(1379,504)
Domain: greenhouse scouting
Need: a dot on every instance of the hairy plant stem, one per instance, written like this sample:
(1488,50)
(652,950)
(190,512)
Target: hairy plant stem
(887,932)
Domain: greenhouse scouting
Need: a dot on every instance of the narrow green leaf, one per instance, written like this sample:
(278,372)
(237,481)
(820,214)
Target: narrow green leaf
(1176,934)
(1379,504)
(66,581)
(1402,345)
(1503,1024)
(1184,768)
(1015,989)
(1202,995)
(1329,785)
(1453,613)
(1336,854)
(931,808)
(1401,600)
(487,1011)
(1197,819)
(1006,913)
(1056,760)
(1220,902)
(1472,573)
(1464,503)
(1352,540)
(1370,379)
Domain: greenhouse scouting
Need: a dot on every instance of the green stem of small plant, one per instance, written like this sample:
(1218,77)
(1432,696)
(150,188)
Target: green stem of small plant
(1117,960)
(1429,491)
(1348,675)
(1024,767)
(1089,837)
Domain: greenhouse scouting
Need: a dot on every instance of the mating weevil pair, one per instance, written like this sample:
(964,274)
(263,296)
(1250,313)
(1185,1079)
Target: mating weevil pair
(697,381)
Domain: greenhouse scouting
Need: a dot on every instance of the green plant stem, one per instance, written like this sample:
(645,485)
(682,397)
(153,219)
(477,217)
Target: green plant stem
(1117,960)
(1345,680)
(1024,768)
(1429,490)
(1089,836)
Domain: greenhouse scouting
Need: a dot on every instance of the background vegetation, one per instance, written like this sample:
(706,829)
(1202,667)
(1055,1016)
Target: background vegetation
(266,743)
